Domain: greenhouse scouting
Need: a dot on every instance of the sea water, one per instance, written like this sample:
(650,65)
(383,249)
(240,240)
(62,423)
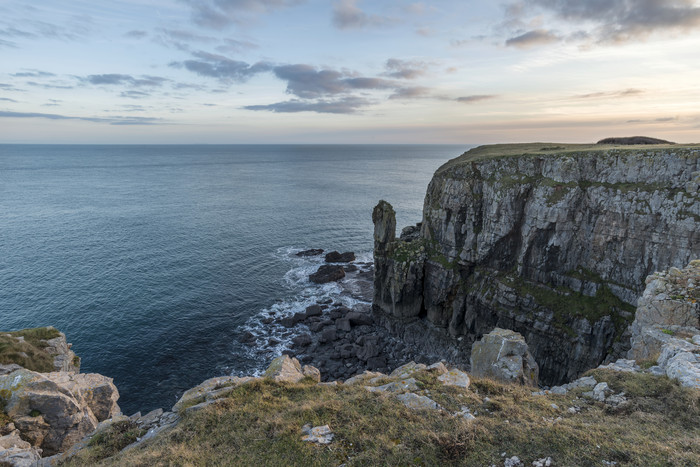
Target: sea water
(153,260)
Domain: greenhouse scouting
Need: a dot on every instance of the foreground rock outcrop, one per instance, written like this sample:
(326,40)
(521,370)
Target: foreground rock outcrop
(551,241)
(51,411)
(666,328)
(503,355)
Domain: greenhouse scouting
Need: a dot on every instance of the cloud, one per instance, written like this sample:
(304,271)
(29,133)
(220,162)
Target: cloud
(346,105)
(475,98)
(121,79)
(416,92)
(347,15)
(178,35)
(611,94)
(615,21)
(655,120)
(235,46)
(8,44)
(54,85)
(7,99)
(134,94)
(532,38)
(405,69)
(118,120)
(32,74)
(14,32)
(218,14)
(136,34)
(308,82)
(221,67)
(52,103)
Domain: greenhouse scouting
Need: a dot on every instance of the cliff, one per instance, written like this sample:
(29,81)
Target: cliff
(552,241)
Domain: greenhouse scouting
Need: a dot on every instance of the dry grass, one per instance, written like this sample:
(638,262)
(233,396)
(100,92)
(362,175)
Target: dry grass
(30,352)
(260,424)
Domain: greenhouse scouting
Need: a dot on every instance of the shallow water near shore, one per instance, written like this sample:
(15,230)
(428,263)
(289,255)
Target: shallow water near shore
(154,259)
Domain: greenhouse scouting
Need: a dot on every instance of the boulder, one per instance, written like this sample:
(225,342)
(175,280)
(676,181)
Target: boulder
(503,355)
(313,310)
(327,273)
(416,402)
(55,410)
(311,252)
(286,369)
(455,377)
(336,257)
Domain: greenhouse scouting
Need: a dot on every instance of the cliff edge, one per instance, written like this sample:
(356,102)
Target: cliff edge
(550,240)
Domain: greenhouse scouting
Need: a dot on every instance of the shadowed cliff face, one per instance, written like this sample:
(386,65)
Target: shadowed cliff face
(553,242)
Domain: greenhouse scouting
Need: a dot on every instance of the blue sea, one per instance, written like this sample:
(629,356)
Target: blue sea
(154,259)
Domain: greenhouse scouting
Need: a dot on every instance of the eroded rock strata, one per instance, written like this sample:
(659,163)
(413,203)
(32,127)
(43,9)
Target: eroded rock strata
(551,241)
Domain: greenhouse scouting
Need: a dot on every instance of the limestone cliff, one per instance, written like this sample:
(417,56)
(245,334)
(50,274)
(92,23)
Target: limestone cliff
(552,241)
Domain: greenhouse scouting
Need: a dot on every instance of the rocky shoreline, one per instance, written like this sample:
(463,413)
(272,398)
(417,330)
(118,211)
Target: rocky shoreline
(342,341)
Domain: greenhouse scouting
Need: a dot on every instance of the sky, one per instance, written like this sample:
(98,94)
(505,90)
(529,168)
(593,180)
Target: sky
(348,71)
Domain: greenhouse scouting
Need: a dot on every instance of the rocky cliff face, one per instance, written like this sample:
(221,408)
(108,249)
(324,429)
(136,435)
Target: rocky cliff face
(553,242)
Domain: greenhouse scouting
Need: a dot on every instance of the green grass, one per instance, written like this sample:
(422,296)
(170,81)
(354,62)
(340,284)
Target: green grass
(260,424)
(566,303)
(29,353)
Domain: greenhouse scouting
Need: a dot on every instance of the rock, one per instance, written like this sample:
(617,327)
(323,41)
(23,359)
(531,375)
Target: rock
(416,402)
(336,257)
(667,311)
(465,413)
(503,355)
(544,462)
(311,372)
(313,310)
(317,434)
(9,368)
(246,337)
(404,371)
(455,377)
(370,347)
(600,391)
(358,318)
(209,389)
(343,324)
(361,378)
(16,452)
(626,366)
(327,273)
(512,462)
(284,369)
(311,252)
(303,340)
(438,368)
(150,419)
(351,268)
(328,334)
(64,358)
(400,386)
(57,409)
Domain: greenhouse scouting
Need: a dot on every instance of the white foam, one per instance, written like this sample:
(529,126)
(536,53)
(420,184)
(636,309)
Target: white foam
(303,293)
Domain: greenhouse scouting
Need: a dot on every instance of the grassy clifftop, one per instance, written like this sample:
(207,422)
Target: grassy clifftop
(260,423)
(554,149)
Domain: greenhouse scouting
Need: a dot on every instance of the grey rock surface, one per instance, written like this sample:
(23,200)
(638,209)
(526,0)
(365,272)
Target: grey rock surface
(55,410)
(530,241)
(503,355)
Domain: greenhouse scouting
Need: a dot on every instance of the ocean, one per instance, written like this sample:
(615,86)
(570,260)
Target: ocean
(153,260)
